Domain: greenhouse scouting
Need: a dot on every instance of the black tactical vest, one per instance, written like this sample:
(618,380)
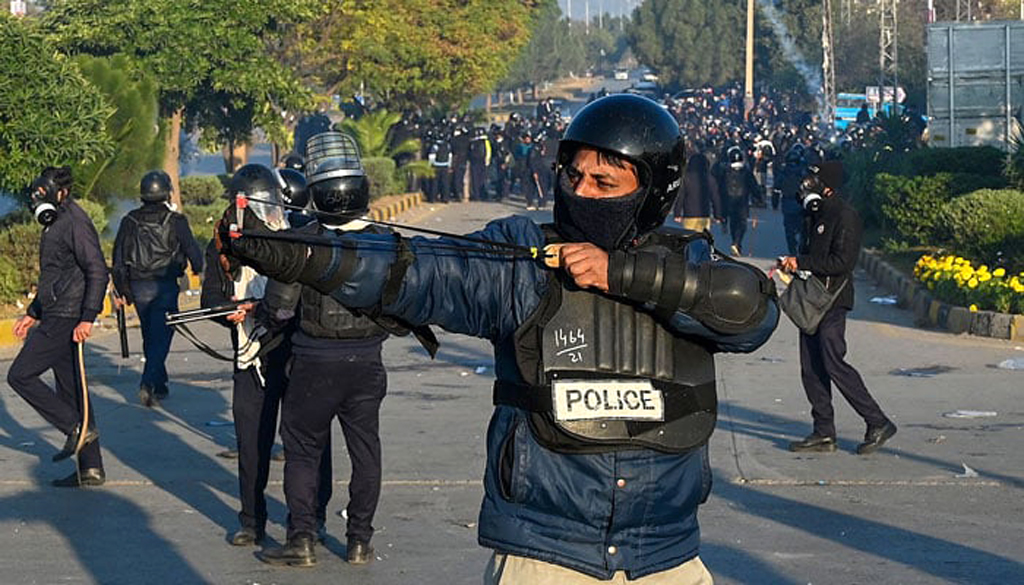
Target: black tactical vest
(631,383)
(323,317)
(154,252)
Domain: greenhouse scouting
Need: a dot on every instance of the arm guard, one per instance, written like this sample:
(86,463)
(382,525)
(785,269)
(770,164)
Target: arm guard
(726,296)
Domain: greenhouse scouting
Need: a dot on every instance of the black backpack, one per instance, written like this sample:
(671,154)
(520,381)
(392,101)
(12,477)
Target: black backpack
(154,251)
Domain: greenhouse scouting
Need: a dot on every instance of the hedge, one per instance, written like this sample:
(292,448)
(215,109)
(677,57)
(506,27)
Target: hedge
(910,206)
(985,224)
(381,172)
(19,249)
(201,218)
(202,189)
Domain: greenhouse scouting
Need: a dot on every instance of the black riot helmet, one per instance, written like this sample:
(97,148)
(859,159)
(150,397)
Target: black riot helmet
(155,187)
(640,131)
(293,188)
(294,162)
(336,179)
(263,189)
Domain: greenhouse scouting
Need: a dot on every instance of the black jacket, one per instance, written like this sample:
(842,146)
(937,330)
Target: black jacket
(188,249)
(72,272)
(832,245)
(699,192)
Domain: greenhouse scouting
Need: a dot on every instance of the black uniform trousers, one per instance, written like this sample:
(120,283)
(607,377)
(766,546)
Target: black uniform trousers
(50,347)
(153,300)
(737,210)
(822,363)
(459,167)
(477,181)
(441,185)
(351,390)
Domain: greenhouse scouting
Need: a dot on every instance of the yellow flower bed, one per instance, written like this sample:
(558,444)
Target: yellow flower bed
(955,280)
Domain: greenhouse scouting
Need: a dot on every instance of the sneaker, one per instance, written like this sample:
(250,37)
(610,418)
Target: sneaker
(814,443)
(875,437)
(735,250)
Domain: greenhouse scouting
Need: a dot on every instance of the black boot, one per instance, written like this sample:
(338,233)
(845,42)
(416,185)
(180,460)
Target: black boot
(72,441)
(359,552)
(147,397)
(90,477)
(875,438)
(247,536)
(297,552)
(814,443)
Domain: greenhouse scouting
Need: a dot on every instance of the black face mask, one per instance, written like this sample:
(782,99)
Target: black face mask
(609,223)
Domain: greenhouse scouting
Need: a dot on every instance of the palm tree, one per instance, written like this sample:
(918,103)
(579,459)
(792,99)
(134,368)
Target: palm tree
(372,133)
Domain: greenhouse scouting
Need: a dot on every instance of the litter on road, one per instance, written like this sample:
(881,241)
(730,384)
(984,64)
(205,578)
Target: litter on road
(970,414)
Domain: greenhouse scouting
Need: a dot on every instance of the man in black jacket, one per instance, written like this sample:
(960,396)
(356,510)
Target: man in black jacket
(72,281)
(150,252)
(830,249)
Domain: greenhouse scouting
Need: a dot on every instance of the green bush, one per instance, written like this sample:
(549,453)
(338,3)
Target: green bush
(201,218)
(911,205)
(381,172)
(96,212)
(981,224)
(202,189)
(19,246)
(11,283)
(978,160)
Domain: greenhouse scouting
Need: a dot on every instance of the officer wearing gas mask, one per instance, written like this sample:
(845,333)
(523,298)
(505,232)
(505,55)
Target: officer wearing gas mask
(152,247)
(336,371)
(259,377)
(831,246)
(72,282)
(738,188)
(605,392)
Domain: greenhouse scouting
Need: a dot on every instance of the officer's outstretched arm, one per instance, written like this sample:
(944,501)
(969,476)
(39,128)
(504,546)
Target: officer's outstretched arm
(729,303)
(437,281)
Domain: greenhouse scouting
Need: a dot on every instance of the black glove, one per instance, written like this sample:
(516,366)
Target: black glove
(277,259)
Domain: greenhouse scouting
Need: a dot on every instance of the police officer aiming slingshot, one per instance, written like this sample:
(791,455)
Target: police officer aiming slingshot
(632,311)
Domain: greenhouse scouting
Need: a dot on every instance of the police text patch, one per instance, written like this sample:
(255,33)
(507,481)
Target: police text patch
(612,399)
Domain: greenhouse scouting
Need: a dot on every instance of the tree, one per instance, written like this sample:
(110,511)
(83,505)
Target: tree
(555,50)
(410,51)
(217,47)
(49,114)
(134,128)
(689,42)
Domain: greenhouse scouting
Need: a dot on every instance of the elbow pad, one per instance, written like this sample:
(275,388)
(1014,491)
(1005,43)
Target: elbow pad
(724,295)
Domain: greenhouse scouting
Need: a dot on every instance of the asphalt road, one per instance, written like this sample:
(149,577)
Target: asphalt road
(940,504)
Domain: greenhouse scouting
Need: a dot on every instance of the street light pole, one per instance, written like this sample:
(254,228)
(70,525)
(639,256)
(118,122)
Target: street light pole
(748,90)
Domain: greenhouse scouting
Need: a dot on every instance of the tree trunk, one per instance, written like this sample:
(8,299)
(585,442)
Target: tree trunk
(172,152)
(489,106)
(533,89)
(235,155)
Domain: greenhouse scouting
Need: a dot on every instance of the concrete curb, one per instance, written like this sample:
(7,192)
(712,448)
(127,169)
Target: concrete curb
(387,212)
(915,297)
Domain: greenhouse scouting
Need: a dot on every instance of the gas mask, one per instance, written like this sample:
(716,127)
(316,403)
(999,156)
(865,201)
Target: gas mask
(44,200)
(811,193)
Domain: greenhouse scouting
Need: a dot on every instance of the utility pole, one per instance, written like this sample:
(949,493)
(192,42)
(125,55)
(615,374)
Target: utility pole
(600,15)
(568,11)
(888,55)
(963,10)
(828,69)
(587,17)
(748,89)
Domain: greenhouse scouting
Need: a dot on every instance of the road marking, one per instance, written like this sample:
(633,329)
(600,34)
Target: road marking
(149,483)
(864,482)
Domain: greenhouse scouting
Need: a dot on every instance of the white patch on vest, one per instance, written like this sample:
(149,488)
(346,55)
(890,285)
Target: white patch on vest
(607,399)
(821,228)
